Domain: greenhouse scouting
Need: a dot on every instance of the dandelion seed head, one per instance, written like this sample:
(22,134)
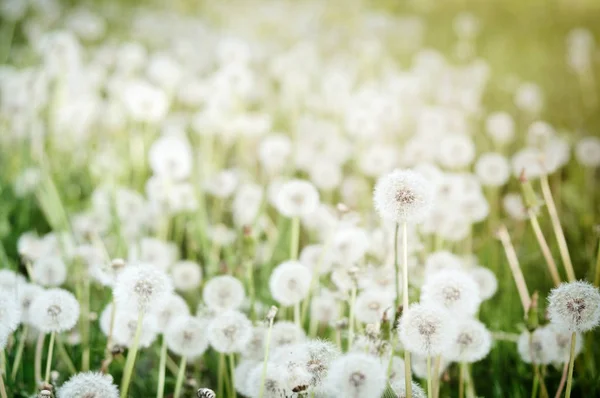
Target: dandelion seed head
(372,304)
(242,374)
(538,347)
(223,293)
(49,271)
(357,375)
(575,306)
(297,198)
(492,169)
(186,336)
(275,382)
(89,385)
(587,151)
(455,290)
(486,281)
(290,282)
(229,332)
(27,293)
(286,333)
(54,310)
(399,388)
(403,196)
(141,286)
(126,323)
(472,343)
(187,275)
(171,307)
(427,329)
(10,312)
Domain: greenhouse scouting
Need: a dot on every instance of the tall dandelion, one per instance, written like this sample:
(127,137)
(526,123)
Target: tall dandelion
(403,196)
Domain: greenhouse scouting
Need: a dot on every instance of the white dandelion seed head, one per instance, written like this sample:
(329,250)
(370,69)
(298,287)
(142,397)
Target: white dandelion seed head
(456,151)
(153,251)
(255,348)
(472,343)
(492,169)
(324,308)
(538,347)
(357,375)
(575,306)
(418,365)
(372,304)
(10,281)
(530,162)
(371,345)
(290,282)
(317,257)
(285,333)
(297,198)
(397,369)
(403,196)
(222,184)
(274,152)
(141,286)
(378,159)
(325,174)
(349,245)
(587,152)
(427,329)
(49,271)
(187,275)
(563,343)
(399,387)
(454,290)
(54,310)
(3,339)
(171,306)
(126,323)
(229,332)
(10,312)
(186,335)
(529,98)
(170,156)
(513,205)
(442,260)
(500,126)
(486,281)
(144,102)
(247,204)
(27,293)
(242,374)
(275,382)
(105,272)
(223,293)
(88,385)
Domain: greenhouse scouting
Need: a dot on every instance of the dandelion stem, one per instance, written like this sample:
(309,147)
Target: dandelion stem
(571,365)
(220,375)
(295,238)
(558,231)
(49,359)
(351,317)
(85,323)
(436,372)
(161,368)
(513,262)
(563,380)
(180,374)
(266,359)
(545,248)
(396,265)
(130,362)
(251,290)
(62,351)
(461,380)
(232,372)
(536,379)
(2,387)
(39,348)
(108,354)
(297,314)
(19,354)
(597,277)
(407,370)
(429,385)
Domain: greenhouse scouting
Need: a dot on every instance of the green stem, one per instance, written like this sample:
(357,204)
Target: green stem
(161,369)
(436,375)
(64,355)
(396,265)
(571,365)
(351,317)
(250,277)
(180,374)
(461,380)
(220,375)
(39,348)
(130,362)
(232,372)
(85,324)
(429,385)
(295,238)
(536,380)
(407,369)
(19,354)
(266,359)
(597,278)
(297,314)
(2,387)
(49,359)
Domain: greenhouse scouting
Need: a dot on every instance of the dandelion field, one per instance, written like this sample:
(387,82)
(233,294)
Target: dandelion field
(299,199)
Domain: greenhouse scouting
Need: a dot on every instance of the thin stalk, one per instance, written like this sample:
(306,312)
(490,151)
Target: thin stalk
(558,231)
(39,348)
(19,354)
(251,290)
(180,374)
(264,371)
(108,354)
(461,380)
(64,355)
(297,314)
(515,268)
(160,392)
(429,385)
(536,380)
(436,375)
(597,278)
(571,365)
(85,324)
(130,362)
(2,387)
(545,248)
(396,265)
(563,380)
(49,359)
(232,372)
(295,238)
(407,370)
(220,375)
(351,317)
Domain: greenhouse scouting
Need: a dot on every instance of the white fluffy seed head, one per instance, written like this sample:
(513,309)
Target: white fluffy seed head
(492,169)
(10,280)
(126,322)
(10,312)
(223,293)
(455,290)
(286,333)
(486,281)
(229,332)
(456,151)
(187,275)
(563,343)
(317,258)
(186,335)
(297,198)
(472,343)
(442,260)
(372,304)
(399,388)
(142,287)
(324,308)
(500,126)
(89,385)
(587,151)
(427,329)
(275,381)
(403,196)
(242,374)
(171,307)
(255,348)
(49,271)
(538,347)
(54,310)
(575,306)
(513,205)
(290,282)
(27,293)
(357,375)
